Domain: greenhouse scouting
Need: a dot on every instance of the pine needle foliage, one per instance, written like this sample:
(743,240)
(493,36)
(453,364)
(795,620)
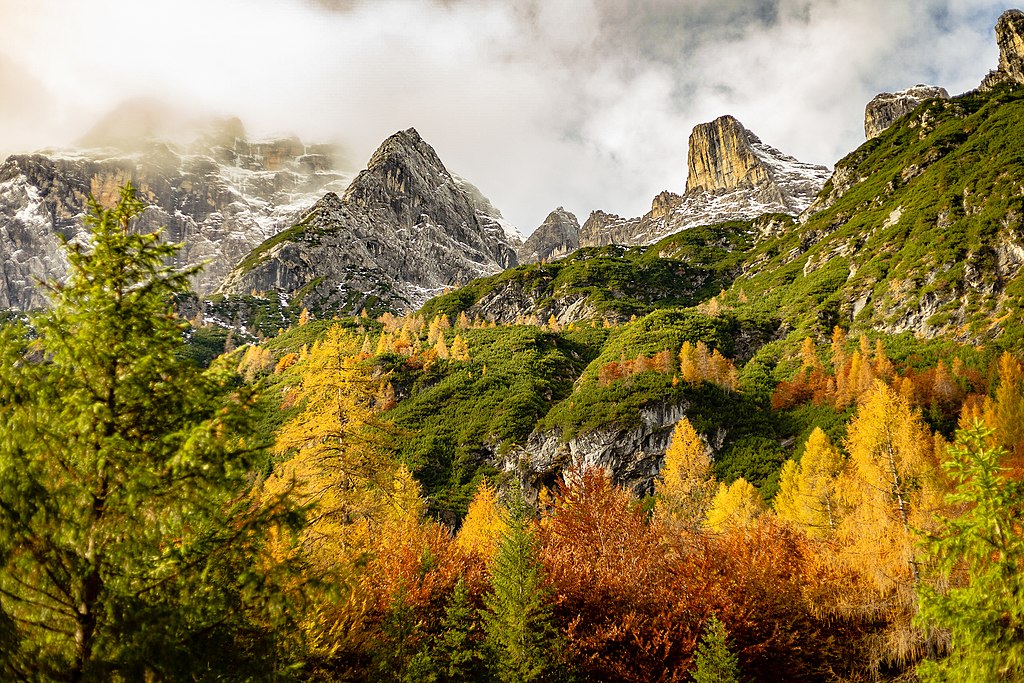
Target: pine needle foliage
(716,663)
(980,554)
(520,634)
(459,657)
(128,546)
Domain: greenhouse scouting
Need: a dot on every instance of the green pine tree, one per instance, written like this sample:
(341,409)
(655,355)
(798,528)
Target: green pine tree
(457,647)
(520,635)
(716,663)
(128,545)
(981,554)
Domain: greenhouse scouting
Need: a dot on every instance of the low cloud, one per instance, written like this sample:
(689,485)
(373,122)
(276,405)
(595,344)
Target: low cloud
(581,103)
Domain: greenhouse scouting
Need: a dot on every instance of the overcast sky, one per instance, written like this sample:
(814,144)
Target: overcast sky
(582,103)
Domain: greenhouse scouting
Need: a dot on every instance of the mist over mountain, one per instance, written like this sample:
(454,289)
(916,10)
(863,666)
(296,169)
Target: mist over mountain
(617,95)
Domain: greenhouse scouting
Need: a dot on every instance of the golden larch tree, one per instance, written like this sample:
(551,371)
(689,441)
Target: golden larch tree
(485,524)
(460,349)
(736,506)
(807,489)
(891,487)
(1005,412)
(686,484)
(337,453)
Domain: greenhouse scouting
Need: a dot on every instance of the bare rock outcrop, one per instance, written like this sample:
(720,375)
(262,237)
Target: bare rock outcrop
(557,236)
(1010,38)
(731,175)
(602,228)
(883,110)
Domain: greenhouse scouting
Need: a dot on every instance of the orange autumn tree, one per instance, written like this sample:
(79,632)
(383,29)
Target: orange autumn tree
(608,568)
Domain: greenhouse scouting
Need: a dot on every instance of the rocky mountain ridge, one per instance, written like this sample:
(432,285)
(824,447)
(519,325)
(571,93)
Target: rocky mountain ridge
(404,230)
(1010,39)
(219,197)
(557,236)
(883,110)
(731,175)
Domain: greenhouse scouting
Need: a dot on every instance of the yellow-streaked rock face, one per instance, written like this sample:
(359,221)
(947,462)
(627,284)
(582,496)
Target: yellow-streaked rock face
(1010,38)
(721,158)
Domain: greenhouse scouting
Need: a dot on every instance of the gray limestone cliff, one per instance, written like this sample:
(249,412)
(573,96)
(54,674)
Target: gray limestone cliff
(631,456)
(601,229)
(403,230)
(1010,38)
(219,197)
(883,110)
(557,236)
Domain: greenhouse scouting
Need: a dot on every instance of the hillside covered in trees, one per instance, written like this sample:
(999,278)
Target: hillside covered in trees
(767,450)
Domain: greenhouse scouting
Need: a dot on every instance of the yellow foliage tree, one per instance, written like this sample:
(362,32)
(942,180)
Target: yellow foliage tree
(838,349)
(686,484)
(460,349)
(807,489)
(883,366)
(441,347)
(339,463)
(1005,412)
(287,360)
(383,344)
(809,356)
(485,524)
(688,368)
(722,372)
(890,487)
(735,507)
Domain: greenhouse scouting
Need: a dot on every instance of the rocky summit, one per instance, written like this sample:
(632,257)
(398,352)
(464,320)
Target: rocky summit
(404,230)
(731,175)
(1010,38)
(557,236)
(218,197)
(883,110)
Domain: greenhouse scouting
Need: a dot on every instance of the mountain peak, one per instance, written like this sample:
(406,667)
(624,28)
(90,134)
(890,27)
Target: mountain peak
(720,157)
(725,157)
(731,175)
(883,110)
(405,146)
(557,236)
(404,229)
(1010,38)
(404,166)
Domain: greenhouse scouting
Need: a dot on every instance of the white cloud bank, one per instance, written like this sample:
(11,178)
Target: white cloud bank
(581,103)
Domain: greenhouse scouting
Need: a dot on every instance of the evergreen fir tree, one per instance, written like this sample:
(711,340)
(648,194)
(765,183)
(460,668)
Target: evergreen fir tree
(520,635)
(458,655)
(981,553)
(128,546)
(716,663)
(403,655)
